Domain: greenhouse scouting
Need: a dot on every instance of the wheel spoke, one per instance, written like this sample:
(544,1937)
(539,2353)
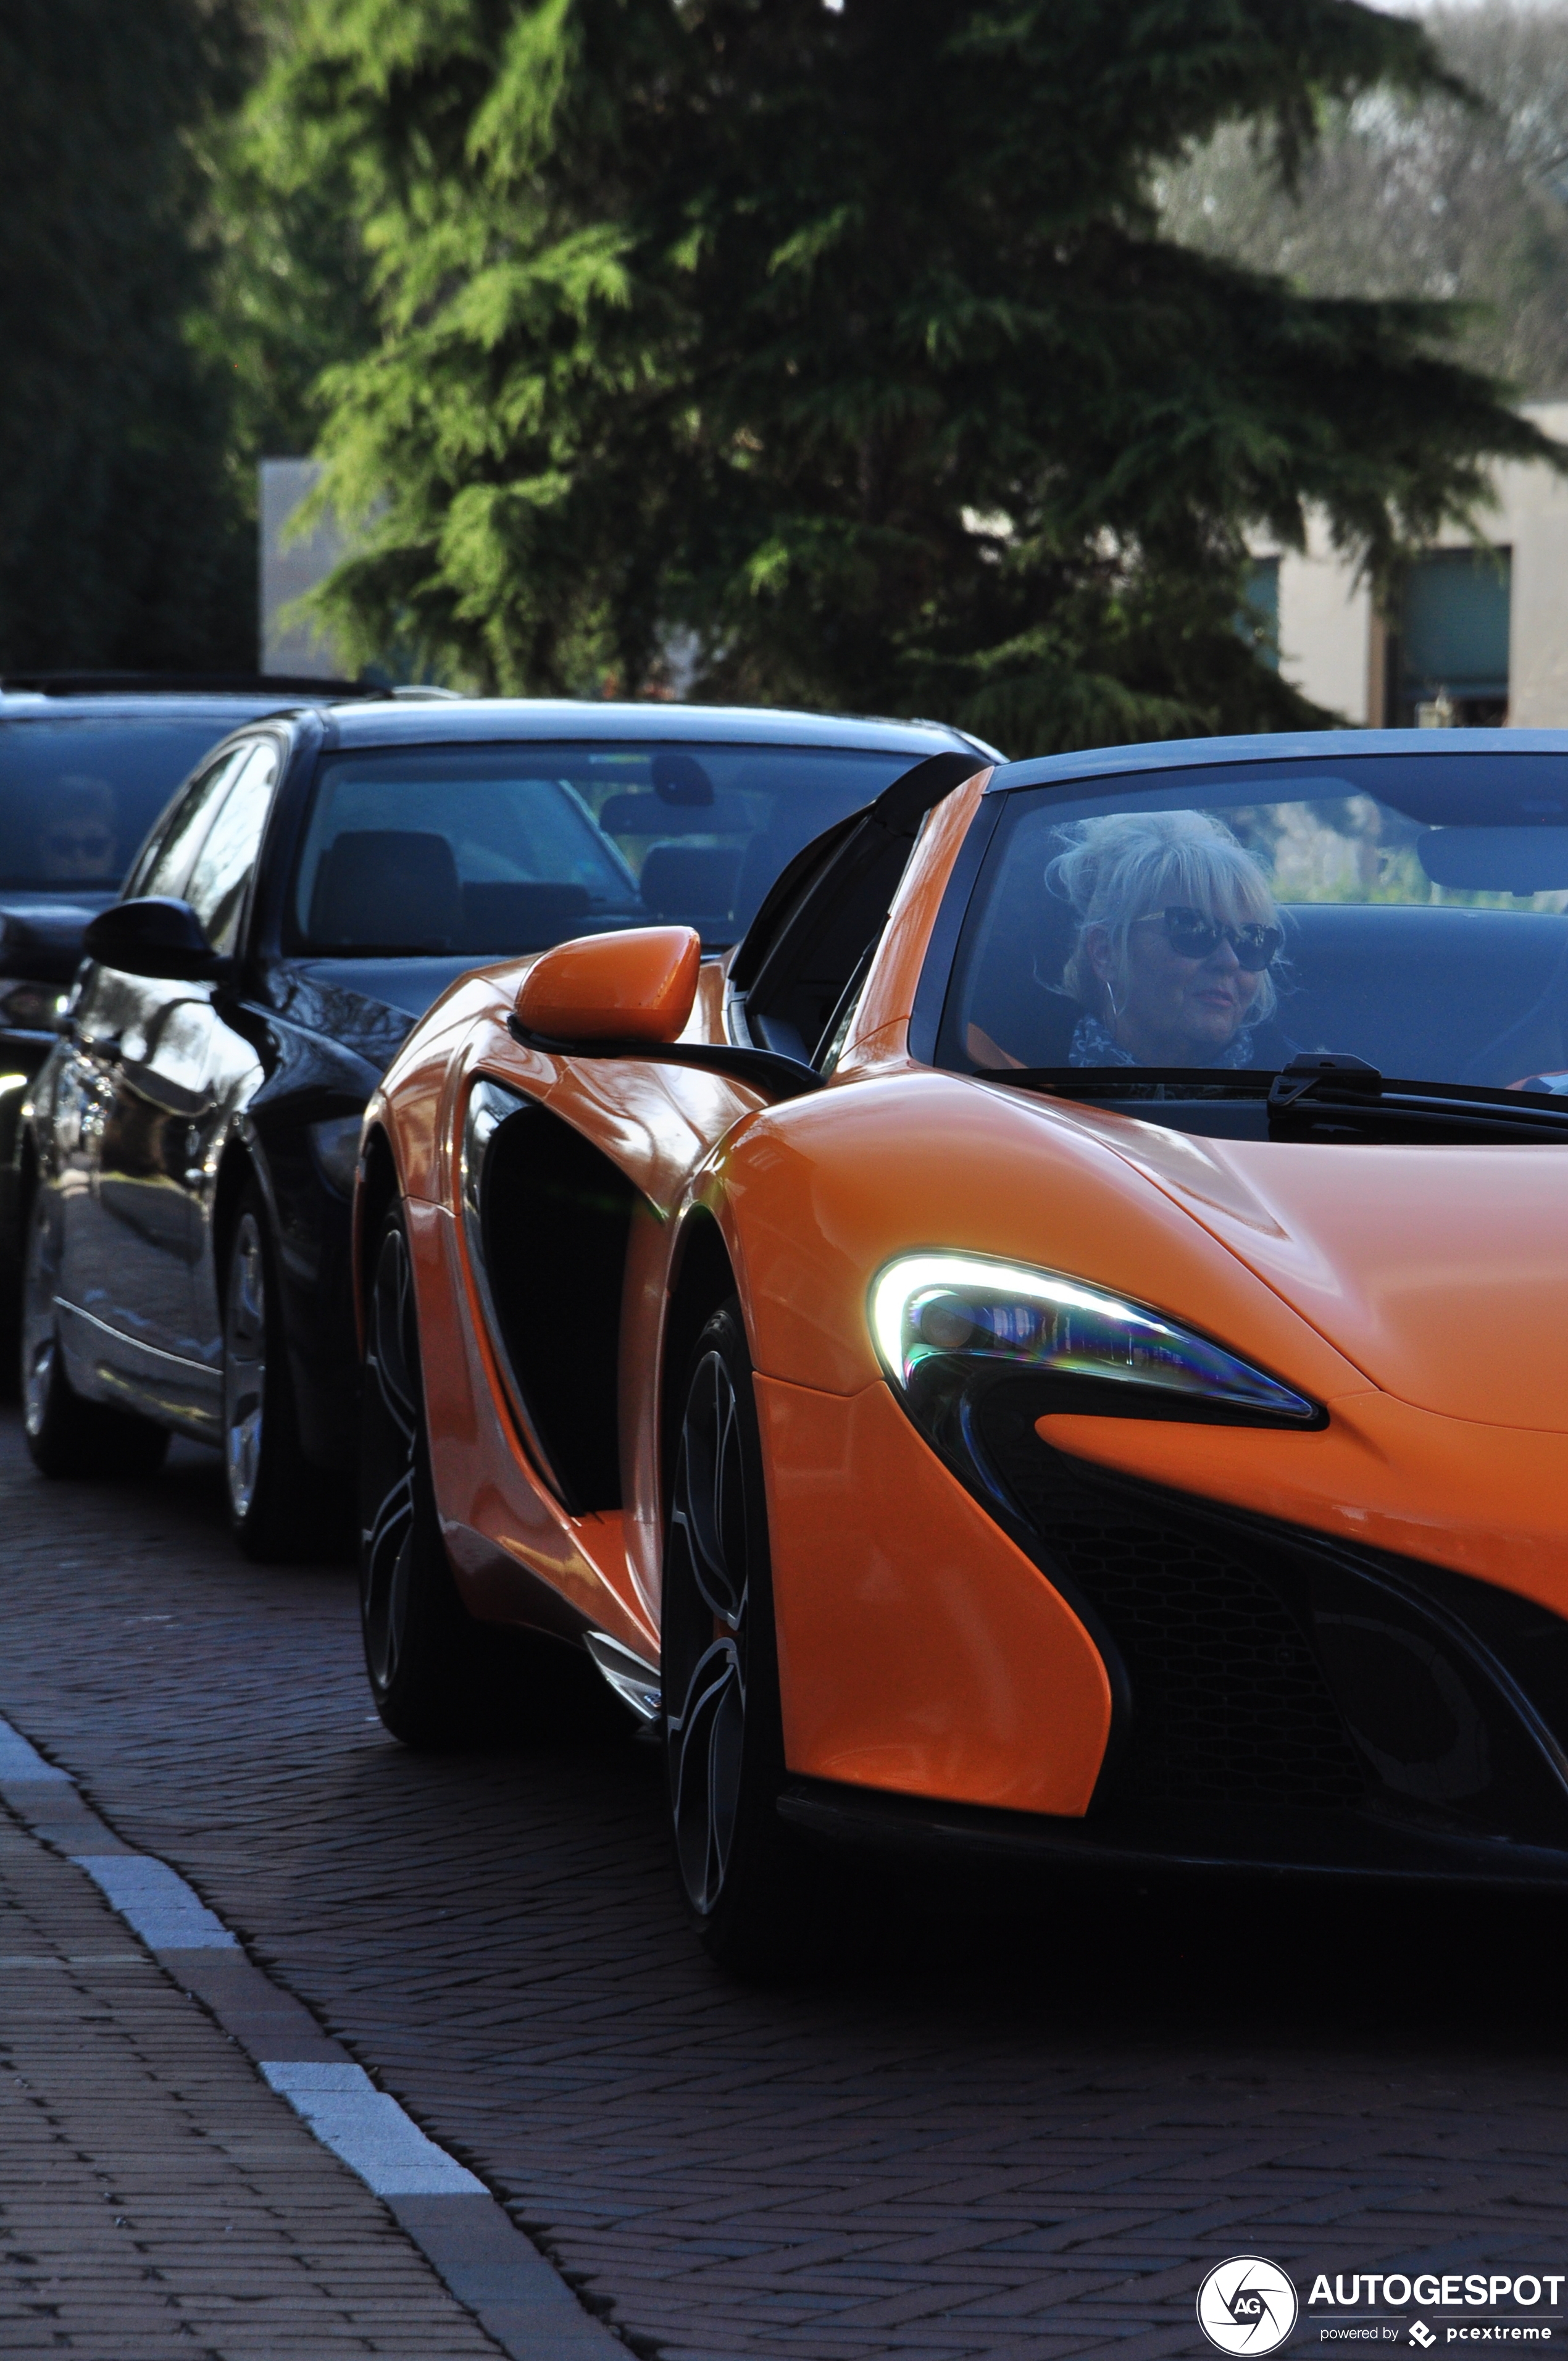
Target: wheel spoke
(389,1542)
(710,1494)
(40,1346)
(245,1365)
(706,1599)
(387,1546)
(705,1739)
(388,1357)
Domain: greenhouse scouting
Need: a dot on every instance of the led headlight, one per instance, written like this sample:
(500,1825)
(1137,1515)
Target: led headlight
(946,1325)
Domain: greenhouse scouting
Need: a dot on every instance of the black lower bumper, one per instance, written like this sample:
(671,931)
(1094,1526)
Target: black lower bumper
(1280,1701)
(1344,1847)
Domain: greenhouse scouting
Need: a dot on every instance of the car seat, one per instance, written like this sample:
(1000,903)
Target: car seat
(388,889)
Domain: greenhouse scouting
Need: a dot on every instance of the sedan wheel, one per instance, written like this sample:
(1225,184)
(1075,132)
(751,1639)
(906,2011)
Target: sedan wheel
(245,1366)
(67,1435)
(421,1648)
(278,1504)
(747,1883)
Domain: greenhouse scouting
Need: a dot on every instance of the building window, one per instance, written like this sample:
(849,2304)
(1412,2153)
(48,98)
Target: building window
(1450,654)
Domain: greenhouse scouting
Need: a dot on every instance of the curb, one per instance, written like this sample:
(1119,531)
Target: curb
(491,2266)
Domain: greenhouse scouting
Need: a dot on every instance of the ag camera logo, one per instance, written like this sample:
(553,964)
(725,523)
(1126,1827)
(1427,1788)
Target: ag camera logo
(1246,2305)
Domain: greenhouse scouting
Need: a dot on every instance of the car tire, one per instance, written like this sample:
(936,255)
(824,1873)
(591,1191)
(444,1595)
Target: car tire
(66,1435)
(755,1897)
(423,1650)
(278,1506)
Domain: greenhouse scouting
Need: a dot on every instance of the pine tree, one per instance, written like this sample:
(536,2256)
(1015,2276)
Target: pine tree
(122,531)
(843,347)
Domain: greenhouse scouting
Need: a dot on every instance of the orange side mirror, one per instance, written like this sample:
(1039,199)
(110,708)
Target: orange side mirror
(639,986)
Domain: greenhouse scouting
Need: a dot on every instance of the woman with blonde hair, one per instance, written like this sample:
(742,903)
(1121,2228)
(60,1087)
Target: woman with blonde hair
(1177,933)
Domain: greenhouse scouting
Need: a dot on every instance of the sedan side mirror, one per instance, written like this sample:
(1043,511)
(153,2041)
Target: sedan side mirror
(155,935)
(637,986)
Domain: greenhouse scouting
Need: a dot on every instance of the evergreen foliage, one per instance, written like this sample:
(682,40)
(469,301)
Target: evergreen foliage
(844,349)
(286,298)
(1422,196)
(122,538)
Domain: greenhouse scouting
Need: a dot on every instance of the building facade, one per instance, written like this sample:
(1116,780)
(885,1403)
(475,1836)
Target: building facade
(1479,635)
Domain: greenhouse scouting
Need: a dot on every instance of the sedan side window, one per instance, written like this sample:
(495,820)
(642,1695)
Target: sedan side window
(166,863)
(224,866)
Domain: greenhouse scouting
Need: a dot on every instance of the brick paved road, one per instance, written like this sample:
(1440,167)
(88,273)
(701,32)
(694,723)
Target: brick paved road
(156,2200)
(990,2136)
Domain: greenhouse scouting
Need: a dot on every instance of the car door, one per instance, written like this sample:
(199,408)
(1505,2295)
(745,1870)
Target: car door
(212,1067)
(107,1266)
(147,1068)
(577,1173)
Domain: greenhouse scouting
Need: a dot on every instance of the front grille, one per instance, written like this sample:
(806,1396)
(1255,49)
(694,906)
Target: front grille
(1228,1699)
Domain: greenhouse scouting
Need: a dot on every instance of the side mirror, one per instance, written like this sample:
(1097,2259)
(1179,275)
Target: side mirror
(638,986)
(155,935)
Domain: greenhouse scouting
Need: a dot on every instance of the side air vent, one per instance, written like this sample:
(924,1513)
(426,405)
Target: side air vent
(546,1219)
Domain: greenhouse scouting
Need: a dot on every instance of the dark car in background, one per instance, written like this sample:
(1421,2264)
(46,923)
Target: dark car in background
(190,1143)
(87,763)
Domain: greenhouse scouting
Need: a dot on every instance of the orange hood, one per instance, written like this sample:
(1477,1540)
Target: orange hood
(1440,1272)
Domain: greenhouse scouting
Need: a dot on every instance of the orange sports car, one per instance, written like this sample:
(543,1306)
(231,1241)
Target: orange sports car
(1055,1345)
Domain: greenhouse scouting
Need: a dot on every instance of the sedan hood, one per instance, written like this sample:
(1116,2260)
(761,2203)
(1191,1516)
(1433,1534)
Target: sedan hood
(1441,1273)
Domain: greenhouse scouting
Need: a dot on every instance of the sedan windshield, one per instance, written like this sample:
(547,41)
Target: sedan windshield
(77,796)
(491,850)
(1409,911)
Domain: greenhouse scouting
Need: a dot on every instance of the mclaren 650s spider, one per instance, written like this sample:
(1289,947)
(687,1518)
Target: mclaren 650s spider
(1055,1345)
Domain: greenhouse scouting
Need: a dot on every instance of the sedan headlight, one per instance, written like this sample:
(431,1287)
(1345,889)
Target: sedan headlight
(952,1329)
(28,1007)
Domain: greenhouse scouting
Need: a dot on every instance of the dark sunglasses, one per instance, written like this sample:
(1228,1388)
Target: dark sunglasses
(1192,935)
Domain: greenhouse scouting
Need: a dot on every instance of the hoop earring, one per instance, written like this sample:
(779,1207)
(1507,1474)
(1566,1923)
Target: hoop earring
(1116,1008)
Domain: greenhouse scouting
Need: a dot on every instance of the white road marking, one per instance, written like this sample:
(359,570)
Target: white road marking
(156,1901)
(20,1762)
(368,2130)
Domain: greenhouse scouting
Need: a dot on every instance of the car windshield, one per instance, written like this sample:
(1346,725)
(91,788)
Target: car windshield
(491,850)
(1409,910)
(78,795)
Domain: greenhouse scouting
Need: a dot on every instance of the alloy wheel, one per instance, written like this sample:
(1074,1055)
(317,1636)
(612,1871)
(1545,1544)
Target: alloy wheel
(245,1365)
(388,1539)
(40,1332)
(705,1725)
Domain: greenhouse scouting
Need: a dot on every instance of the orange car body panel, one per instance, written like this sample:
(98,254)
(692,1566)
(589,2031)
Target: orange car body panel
(880,1028)
(920,1650)
(1485,1501)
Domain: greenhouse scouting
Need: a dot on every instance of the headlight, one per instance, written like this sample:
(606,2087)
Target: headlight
(337,1145)
(949,1326)
(31,1007)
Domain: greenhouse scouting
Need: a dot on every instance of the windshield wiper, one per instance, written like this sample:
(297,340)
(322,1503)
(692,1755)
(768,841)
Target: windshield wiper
(1331,1095)
(1098,1082)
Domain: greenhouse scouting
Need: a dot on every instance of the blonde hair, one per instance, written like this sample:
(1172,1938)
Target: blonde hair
(1125,867)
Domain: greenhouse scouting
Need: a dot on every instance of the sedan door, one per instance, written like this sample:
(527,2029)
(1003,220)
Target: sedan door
(153,1066)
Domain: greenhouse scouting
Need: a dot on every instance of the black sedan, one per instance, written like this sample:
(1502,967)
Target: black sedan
(87,762)
(189,1145)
